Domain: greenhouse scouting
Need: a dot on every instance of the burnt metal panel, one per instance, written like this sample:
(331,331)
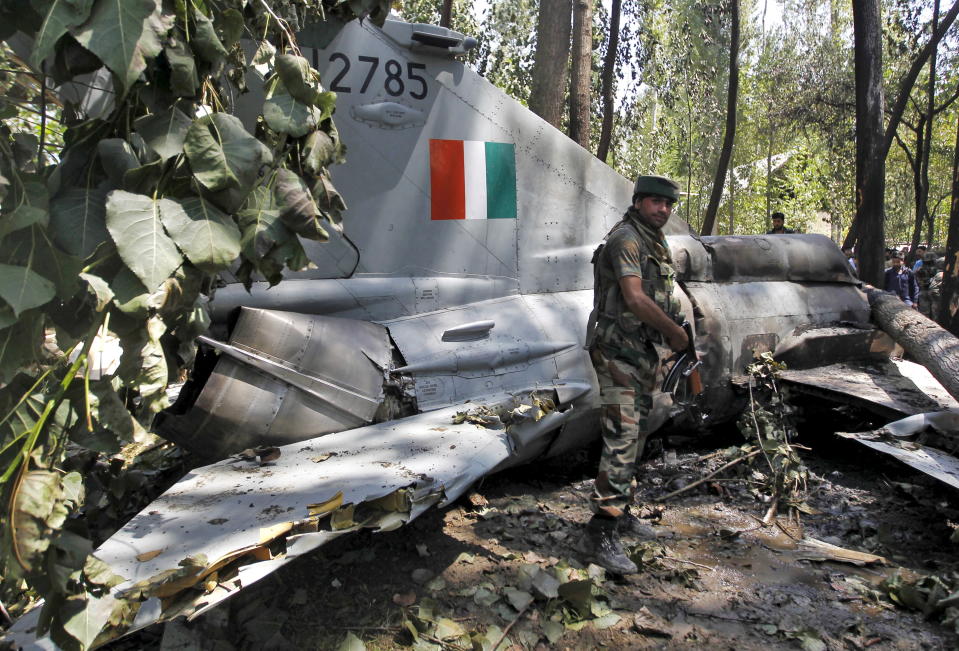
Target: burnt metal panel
(890,388)
(748,258)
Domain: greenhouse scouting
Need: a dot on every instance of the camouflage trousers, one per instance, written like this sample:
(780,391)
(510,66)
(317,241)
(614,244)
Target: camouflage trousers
(627,379)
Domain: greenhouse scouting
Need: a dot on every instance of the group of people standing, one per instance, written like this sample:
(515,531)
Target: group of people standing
(918,286)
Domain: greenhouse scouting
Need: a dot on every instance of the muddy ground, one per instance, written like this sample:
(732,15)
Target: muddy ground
(711,575)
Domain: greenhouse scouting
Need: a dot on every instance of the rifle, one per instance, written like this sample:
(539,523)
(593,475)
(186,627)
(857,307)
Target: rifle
(686,367)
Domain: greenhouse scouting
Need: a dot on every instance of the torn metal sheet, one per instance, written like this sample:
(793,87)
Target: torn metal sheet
(890,388)
(226,525)
(927,459)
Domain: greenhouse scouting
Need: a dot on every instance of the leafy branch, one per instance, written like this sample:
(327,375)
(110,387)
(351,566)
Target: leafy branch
(156,186)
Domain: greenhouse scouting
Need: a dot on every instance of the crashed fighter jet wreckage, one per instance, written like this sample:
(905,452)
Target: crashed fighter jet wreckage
(440,336)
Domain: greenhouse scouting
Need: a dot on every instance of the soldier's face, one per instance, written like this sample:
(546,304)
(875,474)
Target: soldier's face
(655,210)
(778,223)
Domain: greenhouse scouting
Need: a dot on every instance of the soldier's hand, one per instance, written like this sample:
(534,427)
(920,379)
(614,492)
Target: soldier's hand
(678,340)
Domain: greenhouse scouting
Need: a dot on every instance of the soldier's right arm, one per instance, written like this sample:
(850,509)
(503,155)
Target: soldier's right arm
(627,259)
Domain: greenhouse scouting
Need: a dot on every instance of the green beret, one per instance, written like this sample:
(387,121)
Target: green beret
(658,185)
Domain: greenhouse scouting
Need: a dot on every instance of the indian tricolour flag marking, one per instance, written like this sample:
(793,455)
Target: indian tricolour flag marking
(471,179)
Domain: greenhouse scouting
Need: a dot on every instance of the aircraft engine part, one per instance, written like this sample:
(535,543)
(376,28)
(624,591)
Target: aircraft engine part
(284,377)
(757,294)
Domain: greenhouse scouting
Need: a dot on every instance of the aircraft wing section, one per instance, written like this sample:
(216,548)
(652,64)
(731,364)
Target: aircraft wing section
(226,525)
(890,388)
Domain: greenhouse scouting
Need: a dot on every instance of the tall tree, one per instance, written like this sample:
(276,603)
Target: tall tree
(732,94)
(924,142)
(608,77)
(949,300)
(868,227)
(581,65)
(446,14)
(870,158)
(551,62)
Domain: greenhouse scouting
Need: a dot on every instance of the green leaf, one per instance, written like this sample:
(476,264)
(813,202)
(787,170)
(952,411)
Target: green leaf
(134,224)
(32,206)
(131,296)
(286,114)
(207,236)
(164,132)
(25,215)
(66,563)
(19,344)
(144,179)
(112,414)
(78,220)
(223,154)
(553,631)
(260,224)
(264,53)
(23,288)
(38,507)
(183,77)
(117,158)
(205,42)
(151,374)
(319,151)
(231,24)
(298,77)
(7,317)
(351,643)
(606,621)
(99,288)
(99,573)
(59,17)
(297,209)
(84,616)
(124,34)
(328,200)
(578,594)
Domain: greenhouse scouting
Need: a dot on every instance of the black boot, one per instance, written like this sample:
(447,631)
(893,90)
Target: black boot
(631,526)
(600,544)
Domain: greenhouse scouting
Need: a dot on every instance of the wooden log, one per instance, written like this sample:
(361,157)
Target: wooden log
(926,342)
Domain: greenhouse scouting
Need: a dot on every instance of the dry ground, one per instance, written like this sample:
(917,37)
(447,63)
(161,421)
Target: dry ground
(711,576)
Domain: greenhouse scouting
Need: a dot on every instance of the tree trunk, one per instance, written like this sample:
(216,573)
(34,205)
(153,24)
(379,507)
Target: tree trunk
(916,165)
(446,13)
(862,14)
(925,142)
(718,181)
(870,158)
(931,110)
(922,338)
(949,301)
(551,60)
(732,201)
(609,69)
(580,69)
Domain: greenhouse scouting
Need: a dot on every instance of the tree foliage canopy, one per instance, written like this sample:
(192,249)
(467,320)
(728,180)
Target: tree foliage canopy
(128,180)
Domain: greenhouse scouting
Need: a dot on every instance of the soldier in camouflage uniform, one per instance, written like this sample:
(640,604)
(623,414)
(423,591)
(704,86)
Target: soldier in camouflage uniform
(634,313)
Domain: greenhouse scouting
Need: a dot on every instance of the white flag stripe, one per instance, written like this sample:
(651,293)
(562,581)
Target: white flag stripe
(474,169)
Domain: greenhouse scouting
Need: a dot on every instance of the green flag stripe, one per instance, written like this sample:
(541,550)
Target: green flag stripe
(500,181)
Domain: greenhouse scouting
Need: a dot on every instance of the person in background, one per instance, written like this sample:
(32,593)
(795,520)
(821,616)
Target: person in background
(900,280)
(920,256)
(850,259)
(779,228)
(935,289)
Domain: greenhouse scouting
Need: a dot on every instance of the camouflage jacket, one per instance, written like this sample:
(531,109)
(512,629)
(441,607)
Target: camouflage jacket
(631,248)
